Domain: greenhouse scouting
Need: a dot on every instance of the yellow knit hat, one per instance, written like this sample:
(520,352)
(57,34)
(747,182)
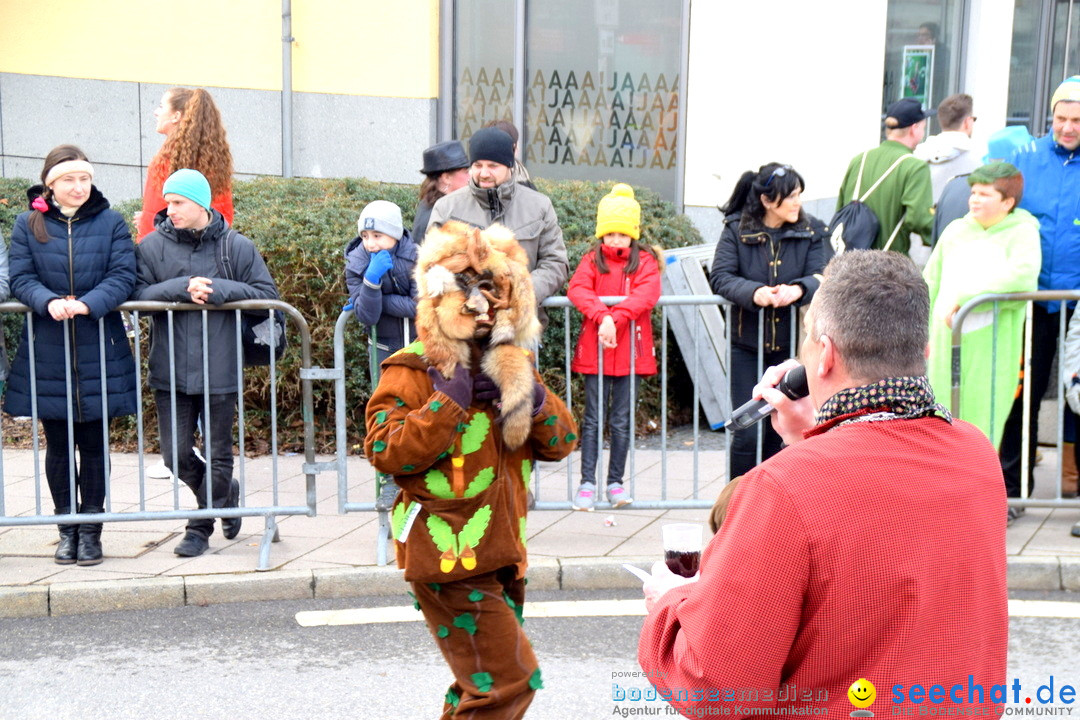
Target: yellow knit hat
(619,212)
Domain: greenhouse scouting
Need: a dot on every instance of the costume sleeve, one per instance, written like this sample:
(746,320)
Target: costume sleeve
(932,270)
(644,292)
(409,422)
(253,281)
(118,281)
(554,432)
(582,290)
(735,626)
(917,201)
(552,267)
(724,277)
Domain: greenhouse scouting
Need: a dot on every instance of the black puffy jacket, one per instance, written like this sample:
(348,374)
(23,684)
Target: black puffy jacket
(166,259)
(91,257)
(748,256)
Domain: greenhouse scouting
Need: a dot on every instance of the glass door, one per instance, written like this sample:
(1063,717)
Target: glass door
(1045,51)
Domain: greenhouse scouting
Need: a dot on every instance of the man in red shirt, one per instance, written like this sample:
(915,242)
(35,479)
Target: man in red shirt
(869,549)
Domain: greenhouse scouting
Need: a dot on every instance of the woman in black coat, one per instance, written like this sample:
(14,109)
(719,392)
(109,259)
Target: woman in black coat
(72,262)
(768,261)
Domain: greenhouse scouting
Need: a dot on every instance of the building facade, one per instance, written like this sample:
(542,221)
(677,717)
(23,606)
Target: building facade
(681,96)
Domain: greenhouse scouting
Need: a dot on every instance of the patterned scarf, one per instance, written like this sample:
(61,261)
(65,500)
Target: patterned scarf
(897,398)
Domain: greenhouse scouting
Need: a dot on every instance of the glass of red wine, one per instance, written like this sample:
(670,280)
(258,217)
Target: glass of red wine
(682,547)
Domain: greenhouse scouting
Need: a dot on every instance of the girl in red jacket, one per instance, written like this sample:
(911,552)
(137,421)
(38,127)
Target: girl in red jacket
(619,265)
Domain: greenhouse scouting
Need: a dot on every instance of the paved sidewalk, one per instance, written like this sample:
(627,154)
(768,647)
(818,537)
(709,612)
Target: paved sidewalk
(334,555)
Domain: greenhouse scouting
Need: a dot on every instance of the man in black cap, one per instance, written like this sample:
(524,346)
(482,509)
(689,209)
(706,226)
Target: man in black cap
(903,199)
(492,197)
(446,167)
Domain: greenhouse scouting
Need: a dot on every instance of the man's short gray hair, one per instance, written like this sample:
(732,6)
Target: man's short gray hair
(875,307)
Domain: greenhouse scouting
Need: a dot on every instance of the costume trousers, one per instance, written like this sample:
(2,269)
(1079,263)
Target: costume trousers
(90,469)
(1044,345)
(217,429)
(617,409)
(744,375)
(476,624)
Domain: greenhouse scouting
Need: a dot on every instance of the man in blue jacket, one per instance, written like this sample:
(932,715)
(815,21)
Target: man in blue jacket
(1051,169)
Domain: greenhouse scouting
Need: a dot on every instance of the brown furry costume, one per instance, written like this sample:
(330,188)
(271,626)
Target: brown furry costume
(459,519)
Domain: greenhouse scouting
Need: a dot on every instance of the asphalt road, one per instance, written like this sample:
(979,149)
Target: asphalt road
(253,660)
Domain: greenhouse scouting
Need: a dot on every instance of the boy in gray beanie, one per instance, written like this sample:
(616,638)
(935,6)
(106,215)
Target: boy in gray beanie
(379,264)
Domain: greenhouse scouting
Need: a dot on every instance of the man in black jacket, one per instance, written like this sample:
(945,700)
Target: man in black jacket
(181,261)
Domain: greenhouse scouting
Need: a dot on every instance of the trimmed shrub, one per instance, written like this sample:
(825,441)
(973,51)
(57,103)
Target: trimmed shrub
(302,225)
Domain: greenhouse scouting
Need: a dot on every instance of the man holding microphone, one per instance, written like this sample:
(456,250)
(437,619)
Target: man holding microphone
(871,547)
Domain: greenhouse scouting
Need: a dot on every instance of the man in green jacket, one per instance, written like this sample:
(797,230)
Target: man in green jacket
(903,200)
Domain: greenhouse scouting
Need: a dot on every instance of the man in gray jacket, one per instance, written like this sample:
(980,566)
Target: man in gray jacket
(493,197)
(181,261)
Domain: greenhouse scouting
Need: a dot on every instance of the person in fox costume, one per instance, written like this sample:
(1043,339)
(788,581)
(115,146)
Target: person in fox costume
(457,418)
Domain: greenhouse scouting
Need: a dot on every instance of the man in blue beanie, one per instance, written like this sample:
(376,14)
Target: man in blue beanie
(193,256)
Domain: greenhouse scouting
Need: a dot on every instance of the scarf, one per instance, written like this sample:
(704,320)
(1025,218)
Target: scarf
(896,398)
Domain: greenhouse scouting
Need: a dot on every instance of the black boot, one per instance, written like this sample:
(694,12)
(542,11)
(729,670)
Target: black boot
(90,539)
(69,540)
(230,527)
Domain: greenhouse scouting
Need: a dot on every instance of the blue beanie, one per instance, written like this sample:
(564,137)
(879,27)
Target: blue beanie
(190,184)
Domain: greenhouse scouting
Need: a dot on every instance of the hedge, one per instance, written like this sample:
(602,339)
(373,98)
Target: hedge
(302,225)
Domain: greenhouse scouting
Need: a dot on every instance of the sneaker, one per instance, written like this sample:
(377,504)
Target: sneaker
(618,496)
(585,498)
(158,471)
(1014,513)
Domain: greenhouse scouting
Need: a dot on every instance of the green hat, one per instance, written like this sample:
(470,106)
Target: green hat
(987,174)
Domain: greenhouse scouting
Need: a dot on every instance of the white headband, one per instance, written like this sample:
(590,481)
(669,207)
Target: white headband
(68,166)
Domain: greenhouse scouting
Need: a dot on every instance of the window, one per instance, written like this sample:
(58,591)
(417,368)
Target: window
(1045,50)
(922,51)
(602,96)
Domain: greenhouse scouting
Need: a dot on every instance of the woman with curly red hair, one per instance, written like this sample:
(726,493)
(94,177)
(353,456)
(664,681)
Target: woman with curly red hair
(195,139)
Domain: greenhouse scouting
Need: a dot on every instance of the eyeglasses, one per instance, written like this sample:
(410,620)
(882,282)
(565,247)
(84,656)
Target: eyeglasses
(778,172)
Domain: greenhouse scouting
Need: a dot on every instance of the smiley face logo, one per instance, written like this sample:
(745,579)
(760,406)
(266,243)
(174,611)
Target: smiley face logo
(862,694)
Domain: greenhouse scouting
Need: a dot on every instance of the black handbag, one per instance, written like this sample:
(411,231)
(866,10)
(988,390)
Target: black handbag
(259,329)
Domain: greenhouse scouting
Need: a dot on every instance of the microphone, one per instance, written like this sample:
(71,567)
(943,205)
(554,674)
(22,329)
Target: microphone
(793,385)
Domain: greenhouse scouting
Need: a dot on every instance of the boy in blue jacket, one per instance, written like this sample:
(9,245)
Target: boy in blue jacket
(379,266)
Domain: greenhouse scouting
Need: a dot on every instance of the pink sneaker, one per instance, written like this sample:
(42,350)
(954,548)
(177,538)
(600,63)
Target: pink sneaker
(617,496)
(585,498)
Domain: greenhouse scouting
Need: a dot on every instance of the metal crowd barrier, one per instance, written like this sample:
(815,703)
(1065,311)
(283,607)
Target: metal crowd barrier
(557,494)
(35,516)
(1061,297)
